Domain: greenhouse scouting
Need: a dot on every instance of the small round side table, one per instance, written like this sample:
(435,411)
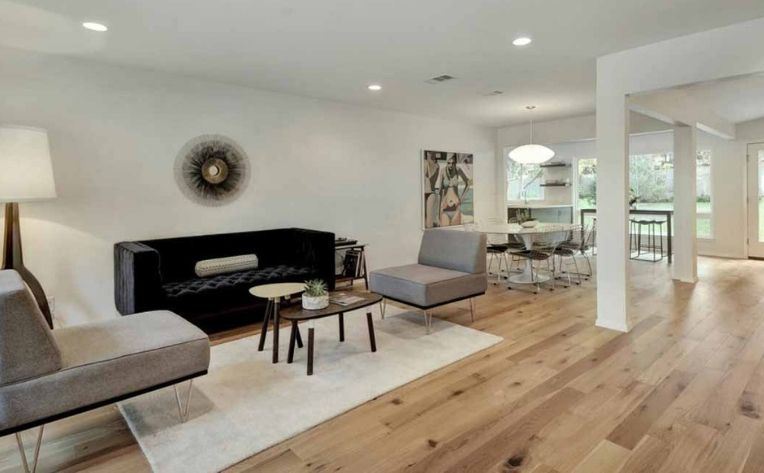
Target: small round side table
(274,293)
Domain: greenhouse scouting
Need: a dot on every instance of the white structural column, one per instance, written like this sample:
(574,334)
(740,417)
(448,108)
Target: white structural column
(685,267)
(689,59)
(612,205)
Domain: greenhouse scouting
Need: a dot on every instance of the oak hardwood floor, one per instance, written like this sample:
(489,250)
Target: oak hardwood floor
(682,392)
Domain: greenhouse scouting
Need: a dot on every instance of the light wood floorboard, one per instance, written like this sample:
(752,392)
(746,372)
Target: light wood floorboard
(682,392)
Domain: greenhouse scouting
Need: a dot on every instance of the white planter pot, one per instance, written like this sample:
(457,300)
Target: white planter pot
(315,303)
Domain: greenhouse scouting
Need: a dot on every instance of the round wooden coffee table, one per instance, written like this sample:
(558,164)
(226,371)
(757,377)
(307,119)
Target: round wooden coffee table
(298,314)
(274,293)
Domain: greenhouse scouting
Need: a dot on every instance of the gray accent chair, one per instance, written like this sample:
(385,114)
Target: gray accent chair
(46,375)
(451,267)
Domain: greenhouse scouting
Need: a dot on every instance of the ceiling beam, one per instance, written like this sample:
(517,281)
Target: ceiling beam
(677,107)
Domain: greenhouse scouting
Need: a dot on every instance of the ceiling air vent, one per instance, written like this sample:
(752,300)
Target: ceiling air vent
(439,79)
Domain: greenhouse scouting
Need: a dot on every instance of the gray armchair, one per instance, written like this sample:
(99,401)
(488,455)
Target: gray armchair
(451,267)
(46,375)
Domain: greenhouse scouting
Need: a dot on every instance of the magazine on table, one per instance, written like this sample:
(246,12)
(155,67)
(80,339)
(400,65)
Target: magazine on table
(344,299)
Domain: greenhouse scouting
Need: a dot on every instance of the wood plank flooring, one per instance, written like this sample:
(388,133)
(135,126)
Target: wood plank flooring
(682,392)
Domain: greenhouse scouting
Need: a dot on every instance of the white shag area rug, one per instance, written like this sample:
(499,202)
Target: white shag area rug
(247,404)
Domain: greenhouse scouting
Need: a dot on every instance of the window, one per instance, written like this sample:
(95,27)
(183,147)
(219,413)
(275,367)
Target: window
(703,185)
(524,181)
(587,183)
(651,180)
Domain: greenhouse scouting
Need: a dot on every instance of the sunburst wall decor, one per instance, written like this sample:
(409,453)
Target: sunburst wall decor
(212,170)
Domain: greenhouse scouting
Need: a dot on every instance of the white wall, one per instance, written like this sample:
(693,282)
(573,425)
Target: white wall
(114,136)
(751,131)
(728,197)
(566,130)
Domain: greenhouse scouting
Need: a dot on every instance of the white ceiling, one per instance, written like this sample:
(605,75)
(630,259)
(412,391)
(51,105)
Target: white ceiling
(334,48)
(736,100)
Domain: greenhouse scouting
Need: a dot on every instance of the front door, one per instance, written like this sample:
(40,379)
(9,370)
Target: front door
(756,200)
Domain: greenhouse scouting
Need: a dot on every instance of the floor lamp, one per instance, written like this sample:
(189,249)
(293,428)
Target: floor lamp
(26,175)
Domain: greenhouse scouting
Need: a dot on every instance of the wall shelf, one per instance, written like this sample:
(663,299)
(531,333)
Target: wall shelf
(554,165)
(555,184)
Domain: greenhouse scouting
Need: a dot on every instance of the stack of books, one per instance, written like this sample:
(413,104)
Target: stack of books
(353,266)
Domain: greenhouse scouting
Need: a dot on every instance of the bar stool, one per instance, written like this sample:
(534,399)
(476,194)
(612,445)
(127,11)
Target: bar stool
(651,246)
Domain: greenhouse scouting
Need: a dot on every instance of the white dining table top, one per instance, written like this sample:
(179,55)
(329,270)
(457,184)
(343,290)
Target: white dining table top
(517,229)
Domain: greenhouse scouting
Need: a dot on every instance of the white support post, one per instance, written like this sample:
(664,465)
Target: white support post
(685,243)
(612,205)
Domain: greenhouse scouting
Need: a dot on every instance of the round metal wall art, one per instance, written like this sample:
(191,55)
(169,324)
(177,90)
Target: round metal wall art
(212,170)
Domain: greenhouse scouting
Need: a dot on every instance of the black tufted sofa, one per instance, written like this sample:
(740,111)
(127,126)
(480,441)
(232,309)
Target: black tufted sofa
(159,274)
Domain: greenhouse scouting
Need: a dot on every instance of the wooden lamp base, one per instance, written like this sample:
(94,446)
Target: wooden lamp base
(13,259)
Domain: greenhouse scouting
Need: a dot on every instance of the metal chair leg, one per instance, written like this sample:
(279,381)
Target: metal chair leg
(428,321)
(550,268)
(382,307)
(22,451)
(570,283)
(589,263)
(578,272)
(536,277)
(183,410)
(472,308)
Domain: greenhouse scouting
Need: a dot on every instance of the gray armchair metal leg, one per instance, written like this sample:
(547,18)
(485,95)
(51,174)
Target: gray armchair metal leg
(472,308)
(22,452)
(428,321)
(382,307)
(183,410)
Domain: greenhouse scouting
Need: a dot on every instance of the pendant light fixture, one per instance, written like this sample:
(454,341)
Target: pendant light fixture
(531,153)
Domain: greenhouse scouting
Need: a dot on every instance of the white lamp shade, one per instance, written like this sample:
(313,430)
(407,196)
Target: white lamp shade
(26,171)
(531,154)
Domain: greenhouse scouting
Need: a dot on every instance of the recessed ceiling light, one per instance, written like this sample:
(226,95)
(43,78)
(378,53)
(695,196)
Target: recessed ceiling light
(375,87)
(95,26)
(522,41)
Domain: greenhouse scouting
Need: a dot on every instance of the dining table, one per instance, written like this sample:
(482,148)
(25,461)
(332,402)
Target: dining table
(528,235)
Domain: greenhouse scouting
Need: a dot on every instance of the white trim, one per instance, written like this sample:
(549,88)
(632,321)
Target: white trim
(611,325)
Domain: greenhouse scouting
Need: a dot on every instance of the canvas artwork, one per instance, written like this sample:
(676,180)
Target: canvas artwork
(448,188)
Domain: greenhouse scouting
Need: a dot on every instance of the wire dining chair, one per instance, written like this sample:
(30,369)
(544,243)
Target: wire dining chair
(580,243)
(544,249)
(499,248)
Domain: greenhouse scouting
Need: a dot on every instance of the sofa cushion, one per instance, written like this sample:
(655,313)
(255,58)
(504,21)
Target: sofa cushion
(229,264)
(426,286)
(105,360)
(281,273)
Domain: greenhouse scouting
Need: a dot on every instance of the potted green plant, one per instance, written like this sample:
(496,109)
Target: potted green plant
(316,295)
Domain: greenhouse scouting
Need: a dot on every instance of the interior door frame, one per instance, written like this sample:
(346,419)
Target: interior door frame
(755,247)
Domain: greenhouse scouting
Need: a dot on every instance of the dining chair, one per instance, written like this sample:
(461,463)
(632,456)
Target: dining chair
(575,245)
(544,247)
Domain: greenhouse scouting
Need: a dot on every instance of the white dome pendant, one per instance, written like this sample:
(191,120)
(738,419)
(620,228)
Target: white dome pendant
(531,153)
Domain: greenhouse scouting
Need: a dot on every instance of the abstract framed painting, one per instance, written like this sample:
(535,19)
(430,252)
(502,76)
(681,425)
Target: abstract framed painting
(447,189)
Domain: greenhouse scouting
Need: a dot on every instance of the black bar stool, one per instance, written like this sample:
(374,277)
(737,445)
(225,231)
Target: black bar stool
(652,245)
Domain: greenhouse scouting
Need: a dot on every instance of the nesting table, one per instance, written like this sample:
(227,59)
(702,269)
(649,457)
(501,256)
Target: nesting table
(298,314)
(274,293)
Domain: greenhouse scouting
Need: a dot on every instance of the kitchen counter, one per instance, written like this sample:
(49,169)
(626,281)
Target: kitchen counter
(551,213)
